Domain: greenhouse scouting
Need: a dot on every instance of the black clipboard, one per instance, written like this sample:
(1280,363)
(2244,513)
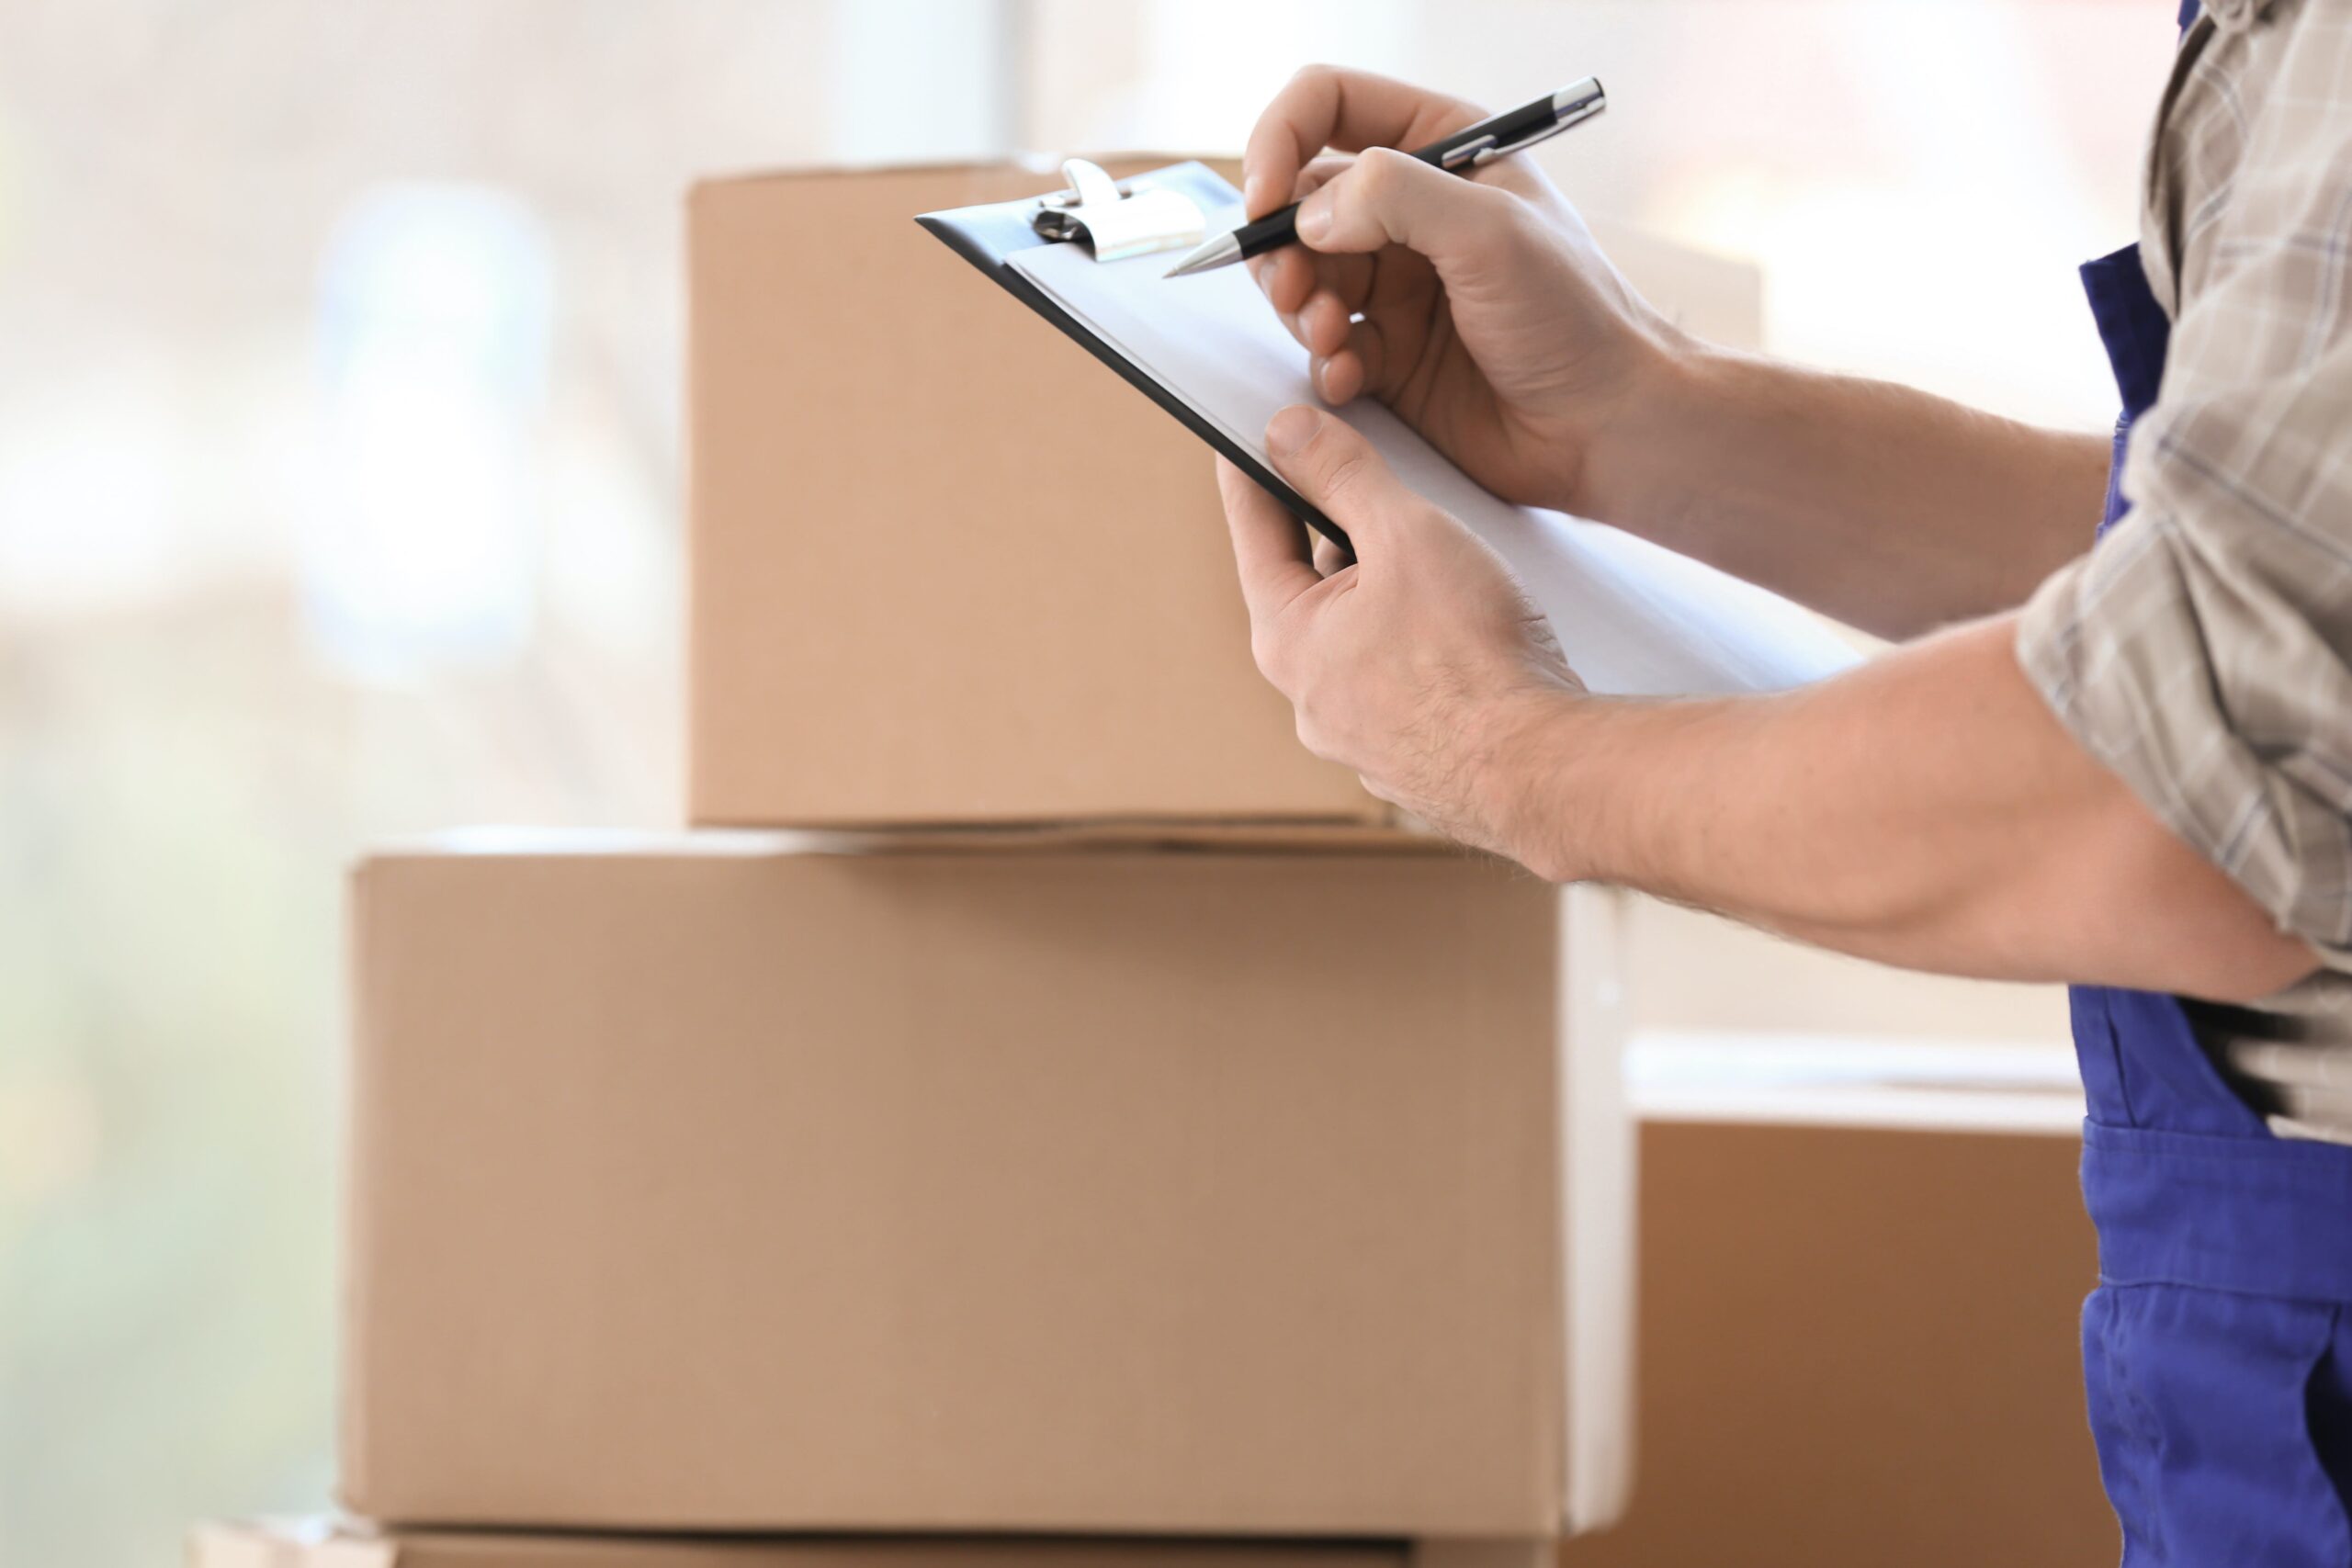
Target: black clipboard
(990,235)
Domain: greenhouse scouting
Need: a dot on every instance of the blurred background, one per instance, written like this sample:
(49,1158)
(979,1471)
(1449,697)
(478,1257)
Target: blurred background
(339,368)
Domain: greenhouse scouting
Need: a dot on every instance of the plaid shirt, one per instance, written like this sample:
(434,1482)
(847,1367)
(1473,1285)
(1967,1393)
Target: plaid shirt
(2203,649)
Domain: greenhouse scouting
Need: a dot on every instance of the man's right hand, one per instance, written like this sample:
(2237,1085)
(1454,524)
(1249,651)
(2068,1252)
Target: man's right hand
(1480,310)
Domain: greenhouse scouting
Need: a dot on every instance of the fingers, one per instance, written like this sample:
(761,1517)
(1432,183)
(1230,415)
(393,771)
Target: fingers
(1390,199)
(1324,105)
(1265,267)
(1349,277)
(1293,274)
(1314,294)
(1288,277)
(1338,379)
(1335,469)
(1318,173)
(1268,546)
(1337,346)
(1354,367)
(1323,324)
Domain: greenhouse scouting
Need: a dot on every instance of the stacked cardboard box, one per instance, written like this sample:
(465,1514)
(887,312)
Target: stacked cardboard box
(1039,1102)
(945,567)
(1860,1347)
(760,1182)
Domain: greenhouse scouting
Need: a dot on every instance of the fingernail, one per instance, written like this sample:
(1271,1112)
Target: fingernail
(1265,276)
(1254,192)
(1314,217)
(1292,429)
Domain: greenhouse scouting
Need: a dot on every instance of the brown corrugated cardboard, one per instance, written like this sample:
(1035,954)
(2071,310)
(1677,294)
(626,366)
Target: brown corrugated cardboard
(335,1543)
(945,566)
(1858,1347)
(727,1184)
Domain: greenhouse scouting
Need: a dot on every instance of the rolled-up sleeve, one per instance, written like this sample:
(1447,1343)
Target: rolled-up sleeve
(2203,649)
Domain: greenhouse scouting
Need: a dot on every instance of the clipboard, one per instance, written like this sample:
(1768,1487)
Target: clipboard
(1163,210)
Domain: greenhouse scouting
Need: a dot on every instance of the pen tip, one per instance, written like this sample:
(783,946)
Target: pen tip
(1215,252)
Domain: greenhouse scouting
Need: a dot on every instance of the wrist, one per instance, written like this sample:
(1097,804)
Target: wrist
(1519,776)
(1636,466)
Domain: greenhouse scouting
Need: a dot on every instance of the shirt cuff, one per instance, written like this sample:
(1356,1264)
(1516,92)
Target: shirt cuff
(2115,646)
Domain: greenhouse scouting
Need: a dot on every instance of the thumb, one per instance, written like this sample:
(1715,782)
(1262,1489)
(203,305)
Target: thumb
(1390,198)
(1330,464)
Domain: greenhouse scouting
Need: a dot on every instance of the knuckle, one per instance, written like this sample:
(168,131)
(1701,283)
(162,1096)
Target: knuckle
(1378,170)
(1344,470)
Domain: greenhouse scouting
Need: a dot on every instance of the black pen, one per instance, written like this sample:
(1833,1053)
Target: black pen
(1472,147)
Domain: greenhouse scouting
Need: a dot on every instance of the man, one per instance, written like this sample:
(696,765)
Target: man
(2130,770)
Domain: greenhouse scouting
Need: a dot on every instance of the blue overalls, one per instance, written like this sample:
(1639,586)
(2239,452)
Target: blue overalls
(2217,1350)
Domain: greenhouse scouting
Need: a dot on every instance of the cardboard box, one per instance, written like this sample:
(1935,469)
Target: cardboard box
(762,1183)
(1860,1347)
(945,567)
(337,1543)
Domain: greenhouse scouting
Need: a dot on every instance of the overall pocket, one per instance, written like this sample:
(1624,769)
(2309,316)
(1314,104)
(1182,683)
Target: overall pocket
(2221,1421)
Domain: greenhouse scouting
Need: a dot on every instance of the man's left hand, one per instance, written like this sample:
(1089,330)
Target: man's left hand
(1419,665)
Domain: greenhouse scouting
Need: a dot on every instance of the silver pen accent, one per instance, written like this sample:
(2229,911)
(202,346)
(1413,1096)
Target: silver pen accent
(1467,149)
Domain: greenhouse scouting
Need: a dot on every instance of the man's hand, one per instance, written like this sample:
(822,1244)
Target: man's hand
(1924,809)
(1481,311)
(1416,665)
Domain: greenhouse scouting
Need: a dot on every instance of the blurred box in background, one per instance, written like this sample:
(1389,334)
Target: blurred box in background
(732,1182)
(1859,1341)
(945,567)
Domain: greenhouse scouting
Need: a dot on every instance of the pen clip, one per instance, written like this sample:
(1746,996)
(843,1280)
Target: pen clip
(1477,154)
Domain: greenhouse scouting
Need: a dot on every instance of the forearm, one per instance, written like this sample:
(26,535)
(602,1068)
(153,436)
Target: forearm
(1886,508)
(1926,810)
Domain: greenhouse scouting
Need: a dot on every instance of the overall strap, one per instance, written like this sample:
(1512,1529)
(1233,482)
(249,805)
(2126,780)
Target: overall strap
(2136,334)
(2131,326)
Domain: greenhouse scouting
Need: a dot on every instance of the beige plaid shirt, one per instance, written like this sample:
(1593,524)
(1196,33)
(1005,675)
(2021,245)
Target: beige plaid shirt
(2204,649)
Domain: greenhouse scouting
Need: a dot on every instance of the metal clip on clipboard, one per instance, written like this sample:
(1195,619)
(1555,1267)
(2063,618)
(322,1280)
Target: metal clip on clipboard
(1118,219)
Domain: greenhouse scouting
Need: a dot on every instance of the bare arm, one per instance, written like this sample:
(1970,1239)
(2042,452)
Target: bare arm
(1926,809)
(1889,509)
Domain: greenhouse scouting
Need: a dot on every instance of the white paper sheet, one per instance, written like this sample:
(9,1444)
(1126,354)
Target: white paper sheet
(1633,618)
